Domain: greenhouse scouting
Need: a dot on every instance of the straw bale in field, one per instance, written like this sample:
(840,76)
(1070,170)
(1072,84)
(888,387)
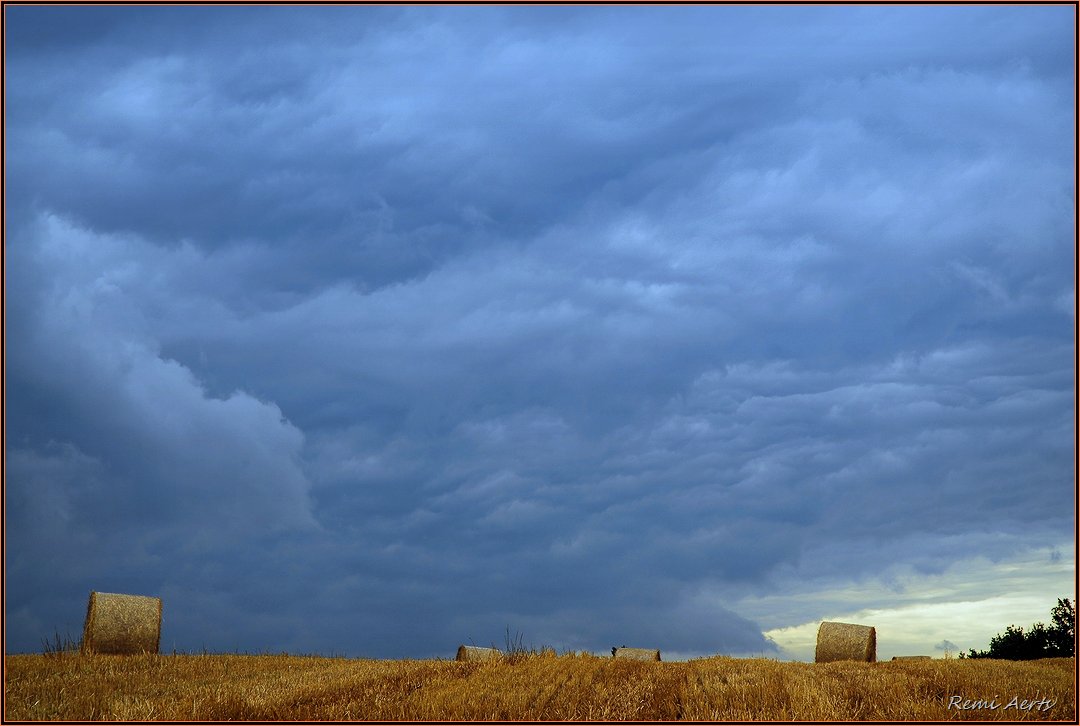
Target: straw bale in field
(471,652)
(122,624)
(844,641)
(637,653)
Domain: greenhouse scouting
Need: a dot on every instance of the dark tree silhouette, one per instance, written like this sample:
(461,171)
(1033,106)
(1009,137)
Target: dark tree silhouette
(1062,635)
(1040,641)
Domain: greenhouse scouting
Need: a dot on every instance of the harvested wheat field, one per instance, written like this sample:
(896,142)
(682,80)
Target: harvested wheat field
(79,687)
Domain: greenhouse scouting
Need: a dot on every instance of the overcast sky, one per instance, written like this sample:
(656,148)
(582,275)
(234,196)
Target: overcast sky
(376,330)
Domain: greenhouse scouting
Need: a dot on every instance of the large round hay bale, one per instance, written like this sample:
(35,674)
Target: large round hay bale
(471,652)
(122,624)
(844,641)
(637,653)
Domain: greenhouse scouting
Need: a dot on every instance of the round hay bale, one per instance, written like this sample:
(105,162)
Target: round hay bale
(844,641)
(122,624)
(471,652)
(637,653)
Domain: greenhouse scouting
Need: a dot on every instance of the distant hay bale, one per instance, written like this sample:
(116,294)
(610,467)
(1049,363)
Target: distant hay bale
(471,652)
(637,653)
(844,641)
(122,624)
(911,657)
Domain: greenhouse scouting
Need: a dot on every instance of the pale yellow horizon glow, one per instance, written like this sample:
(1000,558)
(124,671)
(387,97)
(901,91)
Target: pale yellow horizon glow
(988,597)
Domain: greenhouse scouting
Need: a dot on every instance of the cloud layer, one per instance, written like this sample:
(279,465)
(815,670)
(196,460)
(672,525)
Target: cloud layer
(376,330)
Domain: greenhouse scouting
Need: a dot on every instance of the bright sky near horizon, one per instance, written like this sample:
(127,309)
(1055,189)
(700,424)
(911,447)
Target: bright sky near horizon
(377,330)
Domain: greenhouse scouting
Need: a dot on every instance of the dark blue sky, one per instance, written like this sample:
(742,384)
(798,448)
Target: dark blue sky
(375,330)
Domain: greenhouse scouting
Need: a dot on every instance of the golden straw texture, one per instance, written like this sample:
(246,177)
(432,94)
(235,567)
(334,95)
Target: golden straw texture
(844,641)
(122,624)
(471,652)
(637,653)
(911,657)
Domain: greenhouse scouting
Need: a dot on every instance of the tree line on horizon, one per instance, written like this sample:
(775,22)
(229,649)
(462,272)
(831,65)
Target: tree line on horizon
(1057,640)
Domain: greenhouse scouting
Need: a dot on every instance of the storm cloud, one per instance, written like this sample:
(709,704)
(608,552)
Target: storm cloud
(378,330)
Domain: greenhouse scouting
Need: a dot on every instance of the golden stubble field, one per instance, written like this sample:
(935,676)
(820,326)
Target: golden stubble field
(70,686)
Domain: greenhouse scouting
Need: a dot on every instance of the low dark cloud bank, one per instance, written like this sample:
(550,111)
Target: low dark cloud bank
(375,330)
